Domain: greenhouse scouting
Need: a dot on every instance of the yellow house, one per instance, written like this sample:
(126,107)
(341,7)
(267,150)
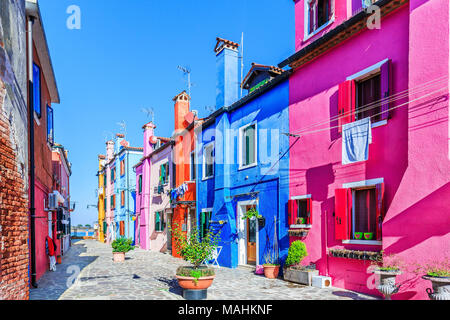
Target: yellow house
(101,198)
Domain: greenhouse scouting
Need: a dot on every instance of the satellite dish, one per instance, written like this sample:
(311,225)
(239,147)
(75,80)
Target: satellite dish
(189,117)
(153,140)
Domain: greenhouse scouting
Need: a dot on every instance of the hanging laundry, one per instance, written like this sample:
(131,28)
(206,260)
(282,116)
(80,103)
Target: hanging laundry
(356,137)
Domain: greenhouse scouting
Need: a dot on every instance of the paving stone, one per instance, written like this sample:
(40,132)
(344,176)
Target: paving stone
(88,272)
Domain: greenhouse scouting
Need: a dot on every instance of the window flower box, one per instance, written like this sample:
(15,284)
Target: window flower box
(298,232)
(355,254)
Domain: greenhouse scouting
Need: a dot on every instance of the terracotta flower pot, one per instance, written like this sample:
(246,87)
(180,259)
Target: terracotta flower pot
(119,256)
(271,272)
(59,259)
(189,283)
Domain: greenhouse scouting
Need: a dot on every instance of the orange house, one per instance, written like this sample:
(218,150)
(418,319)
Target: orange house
(183,202)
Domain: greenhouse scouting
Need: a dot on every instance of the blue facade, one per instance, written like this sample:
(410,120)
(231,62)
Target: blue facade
(125,182)
(266,184)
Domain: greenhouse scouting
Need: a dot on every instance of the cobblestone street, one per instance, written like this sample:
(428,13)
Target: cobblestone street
(88,273)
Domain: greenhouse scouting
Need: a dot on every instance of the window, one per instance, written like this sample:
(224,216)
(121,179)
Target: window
(300,212)
(368,3)
(159,221)
(164,173)
(192,166)
(247,142)
(208,161)
(365,94)
(318,14)
(122,167)
(50,133)
(122,228)
(359,212)
(37,89)
(122,198)
(205,223)
(113,174)
(113,201)
(140,184)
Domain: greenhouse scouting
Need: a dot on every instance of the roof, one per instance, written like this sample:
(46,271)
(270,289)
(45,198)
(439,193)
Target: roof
(259,68)
(40,41)
(161,148)
(224,43)
(342,32)
(241,102)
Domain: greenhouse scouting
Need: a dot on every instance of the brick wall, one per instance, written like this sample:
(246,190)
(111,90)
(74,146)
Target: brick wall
(13,218)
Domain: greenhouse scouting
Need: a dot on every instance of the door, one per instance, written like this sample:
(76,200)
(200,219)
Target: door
(251,240)
(169,233)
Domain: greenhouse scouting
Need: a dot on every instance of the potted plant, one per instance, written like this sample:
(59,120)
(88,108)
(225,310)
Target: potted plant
(121,246)
(438,272)
(271,267)
(358,235)
(387,267)
(293,270)
(195,250)
(368,235)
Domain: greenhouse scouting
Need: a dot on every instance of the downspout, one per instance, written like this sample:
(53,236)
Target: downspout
(32,167)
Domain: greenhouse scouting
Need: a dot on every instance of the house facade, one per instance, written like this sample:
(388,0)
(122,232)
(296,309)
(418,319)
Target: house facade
(61,187)
(183,195)
(14,165)
(243,162)
(101,203)
(154,181)
(345,70)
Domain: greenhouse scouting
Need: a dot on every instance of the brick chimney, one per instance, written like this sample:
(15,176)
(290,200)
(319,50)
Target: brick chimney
(181,110)
(148,132)
(227,82)
(120,137)
(109,150)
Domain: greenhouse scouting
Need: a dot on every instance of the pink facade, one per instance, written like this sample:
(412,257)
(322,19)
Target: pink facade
(409,152)
(109,188)
(149,199)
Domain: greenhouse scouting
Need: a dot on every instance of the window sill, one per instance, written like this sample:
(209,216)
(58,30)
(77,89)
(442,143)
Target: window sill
(247,166)
(207,178)
(363,242)
(304,226)
(379,124)
(315,32)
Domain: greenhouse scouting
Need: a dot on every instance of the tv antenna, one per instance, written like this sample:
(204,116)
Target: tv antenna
(149,112)
(123,126)
(187,71)
(108,135)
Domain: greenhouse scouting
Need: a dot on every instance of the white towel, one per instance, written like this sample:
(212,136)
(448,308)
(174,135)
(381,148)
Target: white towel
(356,137)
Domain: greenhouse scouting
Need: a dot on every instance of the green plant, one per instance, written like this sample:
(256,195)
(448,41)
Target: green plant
(387,262)
(296,253)
(122,244)
(193,249)
(252,212)
(435,268)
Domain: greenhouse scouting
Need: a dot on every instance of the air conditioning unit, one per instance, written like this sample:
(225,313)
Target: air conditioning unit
(52,202)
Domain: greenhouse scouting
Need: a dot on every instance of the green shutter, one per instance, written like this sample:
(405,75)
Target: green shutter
(157,221)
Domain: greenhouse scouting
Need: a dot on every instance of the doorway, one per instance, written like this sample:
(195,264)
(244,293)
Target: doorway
(248,243)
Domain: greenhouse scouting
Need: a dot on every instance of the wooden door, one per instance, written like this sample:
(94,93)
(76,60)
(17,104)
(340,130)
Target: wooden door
(251,239)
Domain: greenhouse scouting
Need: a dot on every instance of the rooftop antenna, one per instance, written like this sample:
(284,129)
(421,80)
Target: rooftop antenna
(107,135)
(149,112)
(187,71)
(242,60)
(123,126)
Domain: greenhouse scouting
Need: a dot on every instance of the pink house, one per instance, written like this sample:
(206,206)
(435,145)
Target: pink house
(397,74)
(153,185)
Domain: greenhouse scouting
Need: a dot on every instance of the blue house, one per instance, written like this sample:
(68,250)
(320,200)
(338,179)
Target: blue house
(125,187)
(243,162)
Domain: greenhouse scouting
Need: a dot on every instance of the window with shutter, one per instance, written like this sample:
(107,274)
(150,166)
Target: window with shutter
(122,228)
(208,161)
(292,210)
(122,198)
(37,89)
(346,103)
(342,213)
(320,12)
(248,146)
(140,184)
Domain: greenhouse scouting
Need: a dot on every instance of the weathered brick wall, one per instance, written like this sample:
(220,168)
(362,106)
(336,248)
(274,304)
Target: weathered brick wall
(13,218)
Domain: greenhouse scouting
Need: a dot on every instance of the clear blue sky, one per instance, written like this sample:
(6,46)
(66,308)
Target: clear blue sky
(125,57)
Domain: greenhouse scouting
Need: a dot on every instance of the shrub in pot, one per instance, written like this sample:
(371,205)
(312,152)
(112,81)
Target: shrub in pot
(438,272)
(387,267)
(293,270)
(195,250)
(121,246)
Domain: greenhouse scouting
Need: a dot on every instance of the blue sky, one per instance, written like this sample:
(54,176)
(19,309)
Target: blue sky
(125,57)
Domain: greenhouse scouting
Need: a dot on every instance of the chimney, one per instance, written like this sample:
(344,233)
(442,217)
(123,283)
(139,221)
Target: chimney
(148,133)
(181,110)
(120,137)
(227,82)
(109,150)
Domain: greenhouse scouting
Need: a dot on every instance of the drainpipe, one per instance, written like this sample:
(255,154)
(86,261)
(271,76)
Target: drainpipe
(31,134)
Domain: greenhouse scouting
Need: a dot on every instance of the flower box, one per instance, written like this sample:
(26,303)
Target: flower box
(301,276)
